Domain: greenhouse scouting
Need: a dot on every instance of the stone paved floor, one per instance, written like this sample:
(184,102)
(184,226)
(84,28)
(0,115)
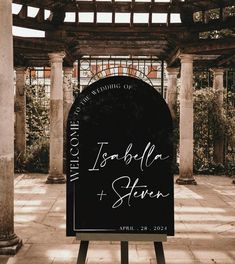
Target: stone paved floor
(204,217)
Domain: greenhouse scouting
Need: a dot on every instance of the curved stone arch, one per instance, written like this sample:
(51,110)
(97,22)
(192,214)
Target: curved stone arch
(120,71)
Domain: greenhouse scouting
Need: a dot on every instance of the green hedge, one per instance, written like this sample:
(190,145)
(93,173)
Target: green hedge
(36,158)
(210,124)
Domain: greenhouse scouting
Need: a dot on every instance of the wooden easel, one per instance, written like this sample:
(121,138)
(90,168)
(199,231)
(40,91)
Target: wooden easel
(157,239)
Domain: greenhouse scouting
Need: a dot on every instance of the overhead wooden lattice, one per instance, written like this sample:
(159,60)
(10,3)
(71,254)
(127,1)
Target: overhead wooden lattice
(127,27)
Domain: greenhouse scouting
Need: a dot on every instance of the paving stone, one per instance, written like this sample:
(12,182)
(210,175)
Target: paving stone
(64,261)
(54,250)
(204,221)
(212,255)
(30,261)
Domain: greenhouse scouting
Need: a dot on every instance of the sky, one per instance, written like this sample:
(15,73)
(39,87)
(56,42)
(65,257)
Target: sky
(88,17)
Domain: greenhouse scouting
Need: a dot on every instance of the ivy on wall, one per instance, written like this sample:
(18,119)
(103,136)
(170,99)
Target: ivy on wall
(36,158)
(211,123)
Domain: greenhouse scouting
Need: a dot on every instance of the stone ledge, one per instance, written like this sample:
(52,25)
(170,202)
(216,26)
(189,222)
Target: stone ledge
(186,181)
(57,179)
(11,250)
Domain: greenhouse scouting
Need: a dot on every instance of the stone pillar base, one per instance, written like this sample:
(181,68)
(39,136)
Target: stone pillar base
(11,246)
(55,179)
(186,181)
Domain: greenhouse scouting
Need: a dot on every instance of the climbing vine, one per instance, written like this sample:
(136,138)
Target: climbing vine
(36,158)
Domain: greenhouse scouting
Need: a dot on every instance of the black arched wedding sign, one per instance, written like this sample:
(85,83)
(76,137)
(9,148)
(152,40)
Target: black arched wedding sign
(119,160)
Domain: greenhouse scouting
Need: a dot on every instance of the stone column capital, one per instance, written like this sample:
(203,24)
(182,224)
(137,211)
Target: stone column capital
(172,71)
(68,70)
(218,81)
(186,58)
(217,71)
(56,56)
(20,70)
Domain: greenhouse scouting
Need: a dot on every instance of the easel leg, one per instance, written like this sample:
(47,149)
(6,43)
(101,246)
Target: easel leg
(82,252)
(159,252)
(124,252)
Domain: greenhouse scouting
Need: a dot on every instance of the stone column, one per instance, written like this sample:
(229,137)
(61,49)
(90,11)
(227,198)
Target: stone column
(56,119)
(9,242)
(186,121)
(20,112)
(218,86)
(171,99)
(68,101)
(171,96)
(68,92)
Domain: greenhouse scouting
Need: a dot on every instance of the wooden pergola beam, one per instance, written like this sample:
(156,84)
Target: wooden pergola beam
(216,24)
(104,6)
(173,57)
(46,25)
(119,47)
(38,44)
(99,51)
(155,28)
(212,47)
(225,60)
(165,40)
